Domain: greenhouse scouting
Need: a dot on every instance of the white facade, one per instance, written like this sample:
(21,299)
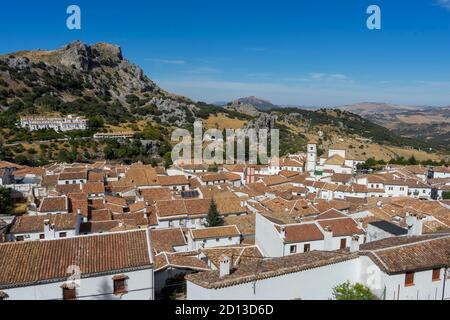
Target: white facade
(56,123)
(311,157)
(313,284)
(139,287)
(318,284)
(272,244)
(195,244)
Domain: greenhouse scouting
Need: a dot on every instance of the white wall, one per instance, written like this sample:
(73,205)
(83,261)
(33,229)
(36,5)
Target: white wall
(318,284)
(314,245)
(313,284)
(139,284)
(267,237)
(396,191)
(212,243)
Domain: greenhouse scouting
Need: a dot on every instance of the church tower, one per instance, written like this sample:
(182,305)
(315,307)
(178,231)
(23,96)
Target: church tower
(311,157)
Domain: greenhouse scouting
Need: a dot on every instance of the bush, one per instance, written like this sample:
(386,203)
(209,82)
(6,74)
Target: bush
(347,291)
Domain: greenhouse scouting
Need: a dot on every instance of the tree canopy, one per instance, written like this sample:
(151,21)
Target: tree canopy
(213,218)
(348,291)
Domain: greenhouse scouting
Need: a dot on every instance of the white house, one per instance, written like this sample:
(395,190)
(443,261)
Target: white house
(69,177)
(61,270)
(330,231)
(213,237)
(399,268)
(28,228)
(441,172)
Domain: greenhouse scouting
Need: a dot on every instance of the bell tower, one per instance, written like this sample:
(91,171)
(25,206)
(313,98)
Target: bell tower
(311,157)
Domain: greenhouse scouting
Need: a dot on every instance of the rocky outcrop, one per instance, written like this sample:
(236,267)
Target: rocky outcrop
(264,121)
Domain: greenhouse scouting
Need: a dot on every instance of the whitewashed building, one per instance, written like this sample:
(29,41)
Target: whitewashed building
(398,268)
(330,231)
(213,237)
(56,123)
(64,269)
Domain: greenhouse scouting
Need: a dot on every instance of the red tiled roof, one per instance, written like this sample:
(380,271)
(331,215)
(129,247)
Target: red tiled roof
(33,262)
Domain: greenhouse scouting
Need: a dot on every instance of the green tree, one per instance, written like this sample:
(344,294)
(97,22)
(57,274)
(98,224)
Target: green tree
(6,205)
(446,195)
(348,291)
(167,160)
(213,218)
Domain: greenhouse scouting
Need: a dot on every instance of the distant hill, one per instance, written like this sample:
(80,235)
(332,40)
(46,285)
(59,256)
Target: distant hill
(260,104)
(431,124)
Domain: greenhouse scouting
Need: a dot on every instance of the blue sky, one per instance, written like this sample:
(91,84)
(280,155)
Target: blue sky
(290,52)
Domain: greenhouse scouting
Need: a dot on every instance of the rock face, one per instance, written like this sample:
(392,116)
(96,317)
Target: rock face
(257,103)
(264,121)
(76,55)
(99,71)
(243,108)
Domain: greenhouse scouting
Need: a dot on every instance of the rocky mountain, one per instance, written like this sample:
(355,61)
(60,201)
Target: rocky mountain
(258,103)
(89,80)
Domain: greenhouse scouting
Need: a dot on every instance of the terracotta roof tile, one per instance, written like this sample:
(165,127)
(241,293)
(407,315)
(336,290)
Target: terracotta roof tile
(54,204)
(33,262)
(216,232)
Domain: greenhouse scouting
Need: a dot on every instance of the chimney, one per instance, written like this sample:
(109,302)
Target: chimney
(49,232)
(415,224)
(354,245)
(328,238)
(379,204)
(225,266)
(283,233)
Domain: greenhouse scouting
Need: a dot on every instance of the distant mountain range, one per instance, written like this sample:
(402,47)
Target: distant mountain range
(424,122)
(427,123)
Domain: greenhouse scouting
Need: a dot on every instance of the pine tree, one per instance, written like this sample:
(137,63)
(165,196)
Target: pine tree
(213,219)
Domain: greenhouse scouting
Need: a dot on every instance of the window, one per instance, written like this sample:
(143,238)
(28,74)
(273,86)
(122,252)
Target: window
(293,249)
(230,238)
(436,274)
(343,243)
(409,279)
(63,234)
(217,239)
(20,238)
(307,247)
(69,293)
(42,236)
(120,284)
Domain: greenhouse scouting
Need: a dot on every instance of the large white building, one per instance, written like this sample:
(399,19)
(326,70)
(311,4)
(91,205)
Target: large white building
(56,123)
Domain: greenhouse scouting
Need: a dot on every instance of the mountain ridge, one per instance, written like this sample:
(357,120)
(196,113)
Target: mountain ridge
(96,81)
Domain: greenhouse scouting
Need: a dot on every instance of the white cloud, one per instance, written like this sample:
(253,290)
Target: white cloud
(258,49)
(168,61)
(317,76)
(203,70)
(443,3)
(320,76)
